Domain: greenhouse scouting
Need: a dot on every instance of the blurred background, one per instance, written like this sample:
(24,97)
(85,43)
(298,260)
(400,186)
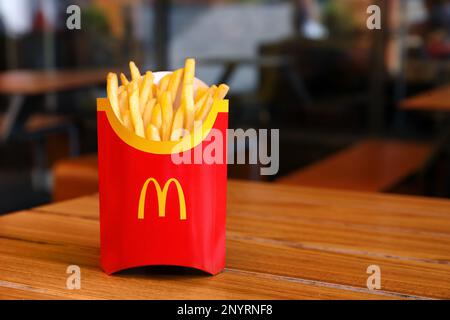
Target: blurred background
(358,109)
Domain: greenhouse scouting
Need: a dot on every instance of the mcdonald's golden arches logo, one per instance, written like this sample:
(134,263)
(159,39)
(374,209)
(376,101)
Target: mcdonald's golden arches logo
(162,197)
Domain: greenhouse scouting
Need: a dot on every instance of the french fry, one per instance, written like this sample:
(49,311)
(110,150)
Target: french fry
(112,86)
(154,90)
(158,111)
(135,73)
(152,133)
(221,92)
(133,101)
(163,84)
(177,125)
(200,93)
(174,83)
(123,101)
(189,71)
(205,109)
(199,105)
(147,116)
(145,91)
(167,115)
(127,121)
(214,94)
(156,119)
(124,79)
(187,101)
(201,101)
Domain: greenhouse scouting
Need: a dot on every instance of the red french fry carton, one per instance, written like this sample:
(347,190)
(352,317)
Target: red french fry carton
(157,211)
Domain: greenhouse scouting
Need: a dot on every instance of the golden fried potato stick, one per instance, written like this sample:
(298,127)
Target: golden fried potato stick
(156,119)
(174,83)
(177,125)
(124,79)
(163,84)
(133,101)
(215,94)
(167,115)
(145,91)
(198,104)
(205,109)
(221,92)
(147,116)
(187,101)
(200,93)
(154,90)
(127,121)
(135,73)
(152,133)
(112,86)
(123,101)
(148,109)
(189,71)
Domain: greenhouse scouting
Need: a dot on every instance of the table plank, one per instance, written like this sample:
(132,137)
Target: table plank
(31,82)
(311,243)
(251,254)
(41,267)
(372,165)
(433,100)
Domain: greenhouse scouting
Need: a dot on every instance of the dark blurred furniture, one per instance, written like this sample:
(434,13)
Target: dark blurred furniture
(432,100)
(371,165)
(329,68)
(22,83)
(435,101)
(17,123)
(75,177)
(277,62)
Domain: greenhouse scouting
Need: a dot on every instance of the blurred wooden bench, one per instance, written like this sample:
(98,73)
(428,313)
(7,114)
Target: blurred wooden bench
(371,165)
(75,177)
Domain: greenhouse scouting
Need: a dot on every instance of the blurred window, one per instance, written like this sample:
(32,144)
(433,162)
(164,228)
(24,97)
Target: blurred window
(226,29)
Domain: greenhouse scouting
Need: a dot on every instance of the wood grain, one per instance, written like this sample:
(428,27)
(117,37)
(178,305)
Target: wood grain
(369,165)
(283,242)
(432,100)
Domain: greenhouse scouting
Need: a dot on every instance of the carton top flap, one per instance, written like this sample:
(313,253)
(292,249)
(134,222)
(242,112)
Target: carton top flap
(162,147)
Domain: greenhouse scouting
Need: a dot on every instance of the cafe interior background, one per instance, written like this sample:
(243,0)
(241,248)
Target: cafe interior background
(358,109)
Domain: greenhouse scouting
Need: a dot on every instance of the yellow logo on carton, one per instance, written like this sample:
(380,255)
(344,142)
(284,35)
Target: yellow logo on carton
(162,197)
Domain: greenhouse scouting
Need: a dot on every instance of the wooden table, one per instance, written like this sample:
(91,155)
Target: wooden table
(282,242)
(436,101)
(19,84)
(433,100)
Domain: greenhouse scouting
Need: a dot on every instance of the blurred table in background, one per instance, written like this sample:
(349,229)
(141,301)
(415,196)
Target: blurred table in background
(375,165)
(433,100)
(19,84)
(283,242)
(30,82)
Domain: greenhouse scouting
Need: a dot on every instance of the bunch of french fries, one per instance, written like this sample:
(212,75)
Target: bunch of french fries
(166,111)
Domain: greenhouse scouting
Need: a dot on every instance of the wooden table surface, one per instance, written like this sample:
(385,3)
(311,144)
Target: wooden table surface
(433,100)
(282,242)
(32,82)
